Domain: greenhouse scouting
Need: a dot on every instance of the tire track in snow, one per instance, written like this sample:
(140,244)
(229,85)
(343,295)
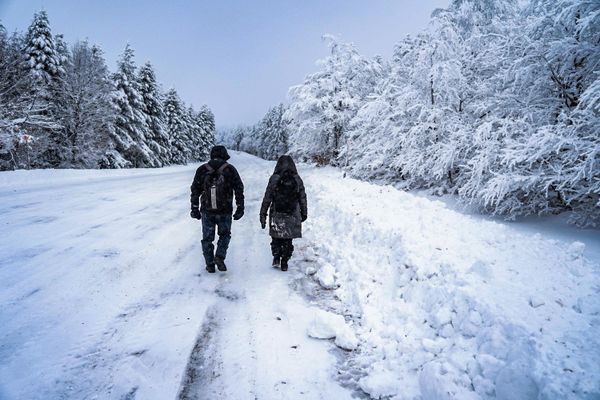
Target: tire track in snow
(205,365)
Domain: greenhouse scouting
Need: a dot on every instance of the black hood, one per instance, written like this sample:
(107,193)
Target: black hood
(285,163)
(219,152)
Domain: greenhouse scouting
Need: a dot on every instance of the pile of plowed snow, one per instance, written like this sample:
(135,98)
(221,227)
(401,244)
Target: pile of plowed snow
(452,306)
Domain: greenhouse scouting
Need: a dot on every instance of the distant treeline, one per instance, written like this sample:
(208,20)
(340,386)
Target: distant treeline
(60,107)
(497,102)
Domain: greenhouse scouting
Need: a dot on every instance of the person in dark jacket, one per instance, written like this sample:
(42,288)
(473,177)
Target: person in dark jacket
(213,189)
(285,201)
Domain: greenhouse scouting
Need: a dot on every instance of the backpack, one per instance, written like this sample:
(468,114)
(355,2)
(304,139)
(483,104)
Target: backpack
(287,194)
(215,190)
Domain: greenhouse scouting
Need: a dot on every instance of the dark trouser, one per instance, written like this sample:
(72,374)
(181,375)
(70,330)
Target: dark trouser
(282,248)
(223,224)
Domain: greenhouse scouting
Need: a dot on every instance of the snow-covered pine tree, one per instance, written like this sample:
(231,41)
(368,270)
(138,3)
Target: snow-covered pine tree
(62,53)
(43,63)
(157,138)
(40,50)
(60,147)
(235,137)
(176,125)
(130,128)
(18,147)
(195,135)
(207,120)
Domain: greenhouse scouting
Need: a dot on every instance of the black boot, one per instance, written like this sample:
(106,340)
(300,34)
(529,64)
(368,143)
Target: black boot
(284,264)
(220,264)
(276,261)
(210,268)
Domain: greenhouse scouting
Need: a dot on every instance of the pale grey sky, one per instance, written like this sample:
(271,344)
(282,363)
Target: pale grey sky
(237,56)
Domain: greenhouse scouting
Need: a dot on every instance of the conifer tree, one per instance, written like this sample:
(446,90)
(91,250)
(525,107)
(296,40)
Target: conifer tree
(176,127)
(43,63)
(157,138)
(207,120)
(40,51)
(130,125)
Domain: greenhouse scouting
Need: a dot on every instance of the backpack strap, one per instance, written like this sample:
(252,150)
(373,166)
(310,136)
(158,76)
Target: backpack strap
(210,169)
(222,168)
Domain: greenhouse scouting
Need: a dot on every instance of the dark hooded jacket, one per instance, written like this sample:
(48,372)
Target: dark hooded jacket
(284,225)
(233,182)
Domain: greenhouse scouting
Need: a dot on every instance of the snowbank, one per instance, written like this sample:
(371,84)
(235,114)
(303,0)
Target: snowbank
(449,305)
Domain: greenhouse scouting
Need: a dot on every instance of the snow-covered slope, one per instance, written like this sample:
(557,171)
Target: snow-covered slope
(103,295)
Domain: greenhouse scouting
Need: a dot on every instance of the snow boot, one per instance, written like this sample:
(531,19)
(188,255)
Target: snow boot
(284,264)
(276,261)
(210,268)
(220,264)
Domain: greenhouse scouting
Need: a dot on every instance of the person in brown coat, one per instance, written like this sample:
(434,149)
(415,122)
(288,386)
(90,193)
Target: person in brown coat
(285,202)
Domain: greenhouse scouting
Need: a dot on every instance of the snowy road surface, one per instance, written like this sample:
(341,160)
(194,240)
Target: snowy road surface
(103,296)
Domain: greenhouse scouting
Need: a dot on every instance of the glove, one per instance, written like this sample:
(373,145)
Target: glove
(303,217)
(239,213)
(263,221)
(195,213)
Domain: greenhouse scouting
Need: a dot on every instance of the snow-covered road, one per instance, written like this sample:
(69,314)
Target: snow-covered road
(103,295)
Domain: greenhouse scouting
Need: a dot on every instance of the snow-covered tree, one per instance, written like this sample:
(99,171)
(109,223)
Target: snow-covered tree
(40,51)
(321,108)
(207,120)
(271,134)
(195,133)
(157,138)
(236,138)
(176,127)
(204,128)
(45,71)
(554,164)
(130,127)
(86,112)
